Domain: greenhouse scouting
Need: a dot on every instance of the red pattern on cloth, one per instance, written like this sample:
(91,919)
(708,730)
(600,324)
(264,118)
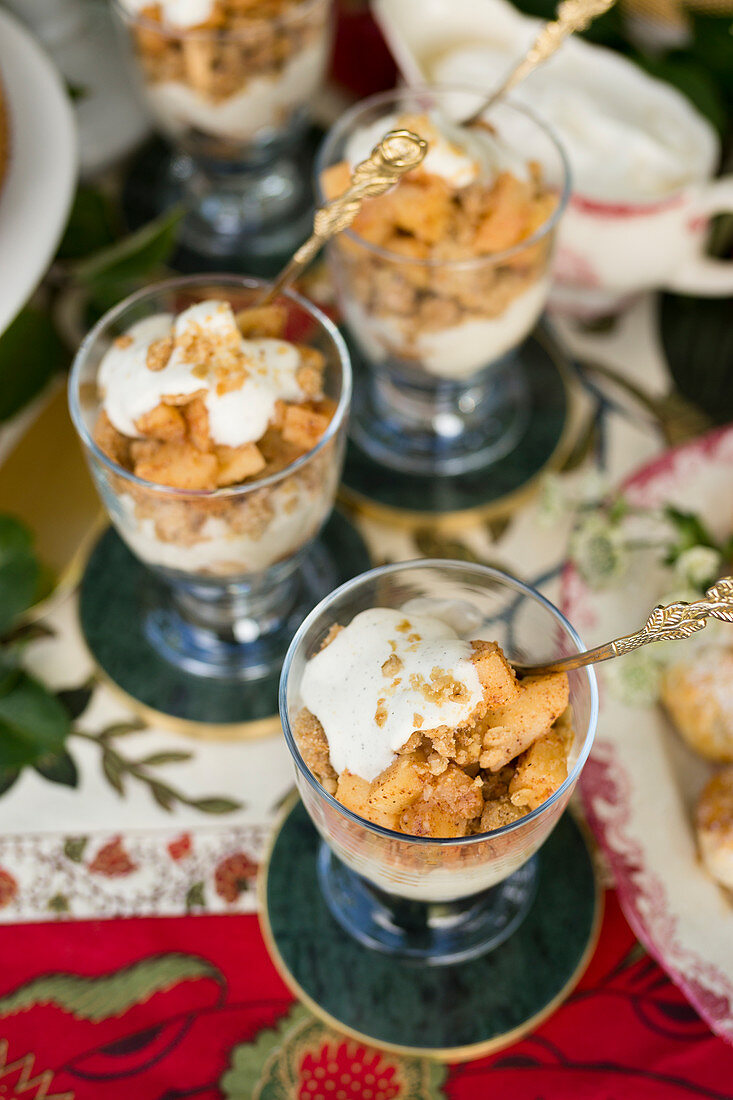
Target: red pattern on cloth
(625,1032)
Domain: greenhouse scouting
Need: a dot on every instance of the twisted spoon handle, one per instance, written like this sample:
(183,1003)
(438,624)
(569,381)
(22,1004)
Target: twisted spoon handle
(676,620)
(572,16)
(398,152)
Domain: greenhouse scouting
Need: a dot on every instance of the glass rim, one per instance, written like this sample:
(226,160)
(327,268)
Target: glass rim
(448,565)
(227,491)
(168,30)
(344,120)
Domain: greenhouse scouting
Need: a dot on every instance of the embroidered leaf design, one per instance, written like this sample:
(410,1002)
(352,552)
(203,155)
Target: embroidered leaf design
(215,805)
(195,896)
(108,995)
(165,758)
(248,1059)
(74,847)
(113,771)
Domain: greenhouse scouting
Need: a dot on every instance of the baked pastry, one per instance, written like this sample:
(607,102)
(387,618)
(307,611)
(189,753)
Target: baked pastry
(697,694)
(714,823)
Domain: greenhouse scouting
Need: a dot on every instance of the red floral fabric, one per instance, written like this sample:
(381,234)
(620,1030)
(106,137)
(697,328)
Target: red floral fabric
(192,1007)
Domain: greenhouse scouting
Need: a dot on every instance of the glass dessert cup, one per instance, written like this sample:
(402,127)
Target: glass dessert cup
(437,900)
(233,102)
(227,585)
(442,389)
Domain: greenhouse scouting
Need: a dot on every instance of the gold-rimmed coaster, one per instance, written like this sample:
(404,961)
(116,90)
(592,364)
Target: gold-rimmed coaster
(450,504)
(115,597)
(448,1013)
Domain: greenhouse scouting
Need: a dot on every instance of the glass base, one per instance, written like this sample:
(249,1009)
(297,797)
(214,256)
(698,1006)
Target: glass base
(114,627)
(423,501)
(240,631)
(430,933)
(241,215)
(443,428)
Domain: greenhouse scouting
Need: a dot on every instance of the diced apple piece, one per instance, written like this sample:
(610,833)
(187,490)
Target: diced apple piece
(540,771)
(398,786)
(498,679)
(513,728)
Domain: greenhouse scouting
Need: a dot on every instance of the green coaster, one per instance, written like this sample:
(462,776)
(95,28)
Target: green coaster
(454,1013)
(413,500)
(112,622)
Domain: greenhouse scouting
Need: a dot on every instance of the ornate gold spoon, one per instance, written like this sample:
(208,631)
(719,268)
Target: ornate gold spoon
(398,152)
(572,16)
(676,620)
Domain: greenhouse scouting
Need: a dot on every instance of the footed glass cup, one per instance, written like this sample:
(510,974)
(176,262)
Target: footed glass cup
(232,571)
(234,102)
(437,901)
(442,390)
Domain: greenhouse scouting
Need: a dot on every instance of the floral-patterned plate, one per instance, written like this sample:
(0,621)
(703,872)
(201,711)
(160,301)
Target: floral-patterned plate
(641,782)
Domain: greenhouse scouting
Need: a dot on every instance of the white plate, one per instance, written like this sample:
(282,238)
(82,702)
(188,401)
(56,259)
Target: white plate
(36,195)
(641,783)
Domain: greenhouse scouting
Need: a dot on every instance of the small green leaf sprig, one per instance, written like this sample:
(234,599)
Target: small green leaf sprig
(37,724)
(606,532)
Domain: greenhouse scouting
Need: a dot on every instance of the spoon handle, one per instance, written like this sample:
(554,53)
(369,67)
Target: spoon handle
(676,620)
(572,16)
(398,152)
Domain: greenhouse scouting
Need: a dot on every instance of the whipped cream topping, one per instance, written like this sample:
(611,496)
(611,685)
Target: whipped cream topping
(380,679)
(174,13)
(443,158)
(238,415)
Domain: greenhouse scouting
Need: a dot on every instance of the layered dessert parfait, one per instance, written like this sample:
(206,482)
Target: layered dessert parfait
(419,731)
(449,270)
(219,74)
(213,411)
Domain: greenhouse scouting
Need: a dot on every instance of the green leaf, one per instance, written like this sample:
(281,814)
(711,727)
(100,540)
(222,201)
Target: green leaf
(103,997)
(195,896)
(712,46)
(18,571)
(30,353)
(75,700)
(165,758)
(216,805)
(163,795)
(33,724)
(8,776)
(121,729)
(248,1059)
(113,771)
(59,903)
(116,269)
(697,339)
(74,847)
(92,225)
(58,769)
(691,531)
(10,670)
(76,92)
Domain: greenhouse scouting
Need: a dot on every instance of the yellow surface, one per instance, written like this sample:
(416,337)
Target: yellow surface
(44,481)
